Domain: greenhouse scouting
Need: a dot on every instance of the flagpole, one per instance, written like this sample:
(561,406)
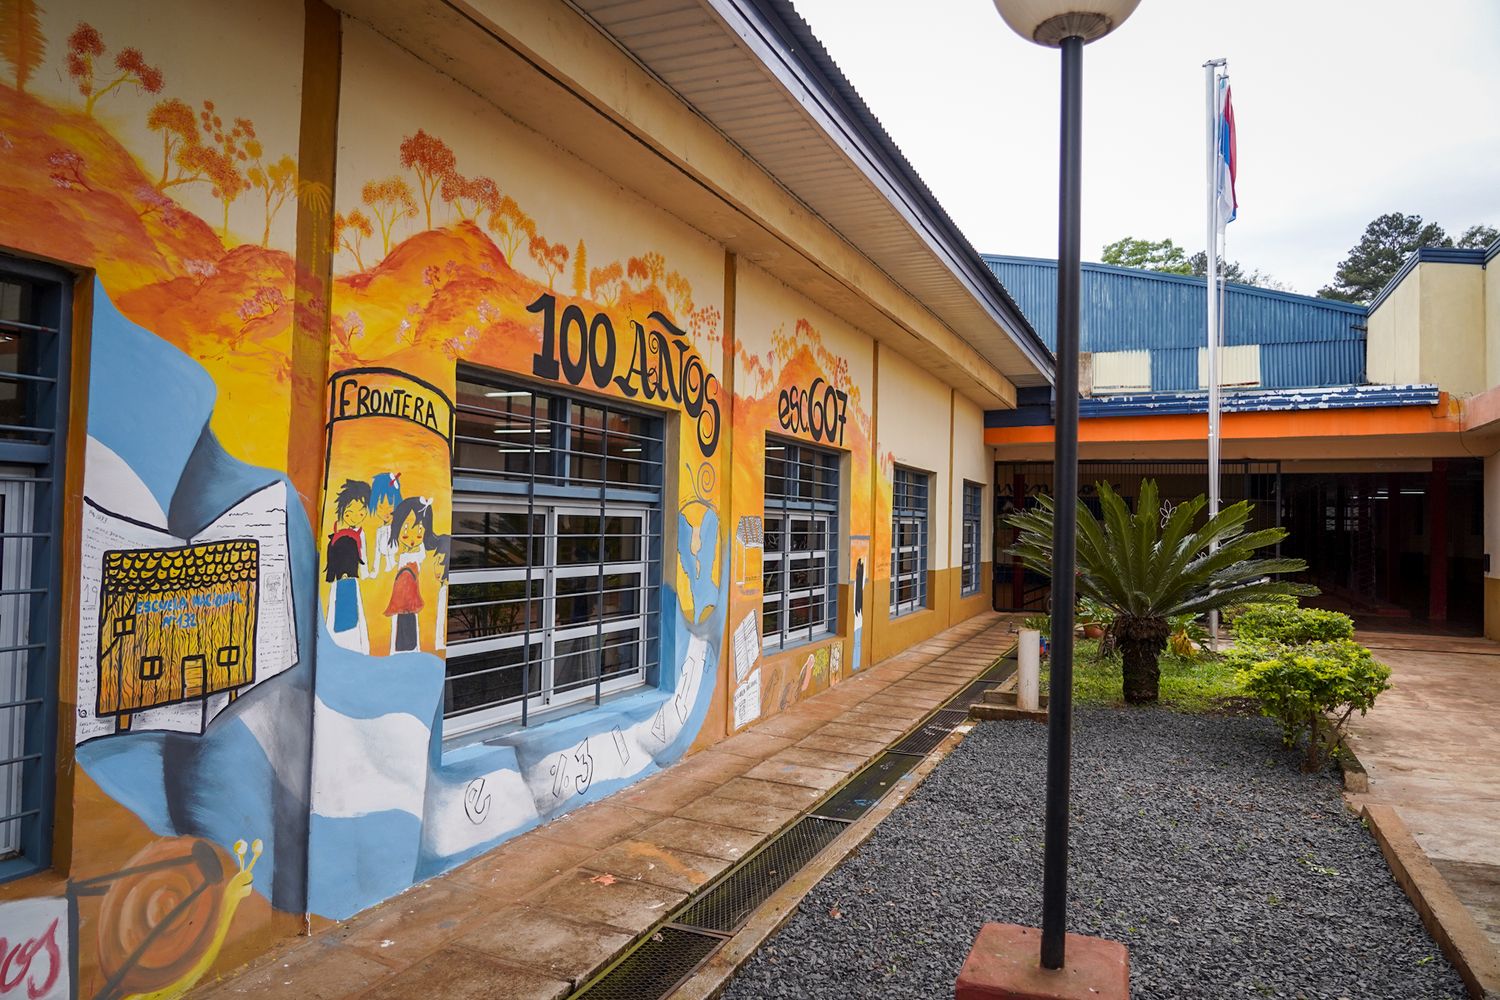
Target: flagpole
(1210,76)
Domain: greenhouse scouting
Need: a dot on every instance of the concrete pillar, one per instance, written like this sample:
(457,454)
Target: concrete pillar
(1437,541)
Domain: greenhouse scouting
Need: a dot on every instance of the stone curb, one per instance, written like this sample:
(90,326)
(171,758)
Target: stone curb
(710,980)
(1356,778)
(1451,925)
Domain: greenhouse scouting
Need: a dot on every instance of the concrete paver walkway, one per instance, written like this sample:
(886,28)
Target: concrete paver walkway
(1431,746)
(538,915)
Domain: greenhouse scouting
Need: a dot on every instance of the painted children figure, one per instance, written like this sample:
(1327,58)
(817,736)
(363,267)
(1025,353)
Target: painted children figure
(344,562)
(412,520)
(385,497)
(441,547)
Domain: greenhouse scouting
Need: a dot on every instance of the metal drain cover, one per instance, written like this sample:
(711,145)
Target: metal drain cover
(654,969)
(726,905)
(866,788)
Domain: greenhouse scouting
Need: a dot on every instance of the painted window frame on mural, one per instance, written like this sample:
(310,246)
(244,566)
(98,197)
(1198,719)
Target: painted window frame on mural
(563,617)
(973,534)
(911,493)
(35,340)
(801,502)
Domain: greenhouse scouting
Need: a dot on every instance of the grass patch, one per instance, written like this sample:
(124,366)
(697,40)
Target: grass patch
(1205,683)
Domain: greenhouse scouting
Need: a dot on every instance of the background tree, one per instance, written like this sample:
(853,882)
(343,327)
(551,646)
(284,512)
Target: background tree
(580,270)
(86,46)
(512,226)
(223,161)
(1478,237)
(391,200)
(1147,572)
(180,142)
(680,290)
(1151,255)
(1372,262)
(349,232)
(469,195)
(637,273)
(431,160)
(656,267)
(277,181)
(21,41)
(551,257)
(604,283)
(1233,270)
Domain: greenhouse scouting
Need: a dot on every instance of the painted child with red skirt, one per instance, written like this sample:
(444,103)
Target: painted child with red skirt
(412,524)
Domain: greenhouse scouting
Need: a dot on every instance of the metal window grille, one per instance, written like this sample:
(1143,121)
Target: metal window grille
(973,514)
(800,559)
(556,552)
(35,308)
(909,495)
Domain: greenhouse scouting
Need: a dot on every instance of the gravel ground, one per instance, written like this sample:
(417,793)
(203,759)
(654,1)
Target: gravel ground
(1196,842)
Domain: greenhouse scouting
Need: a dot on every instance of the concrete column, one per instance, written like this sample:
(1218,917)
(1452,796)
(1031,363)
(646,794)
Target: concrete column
(1437,541)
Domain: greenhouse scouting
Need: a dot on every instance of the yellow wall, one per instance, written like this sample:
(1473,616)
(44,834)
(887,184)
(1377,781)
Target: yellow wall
(1431,329)
(1492,323)
(971,462)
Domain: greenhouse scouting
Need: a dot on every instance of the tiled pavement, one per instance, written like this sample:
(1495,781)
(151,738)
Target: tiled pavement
(536,916)
(1431,748)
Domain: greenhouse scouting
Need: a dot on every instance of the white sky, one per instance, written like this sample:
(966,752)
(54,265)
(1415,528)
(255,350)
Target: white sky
(1345,109)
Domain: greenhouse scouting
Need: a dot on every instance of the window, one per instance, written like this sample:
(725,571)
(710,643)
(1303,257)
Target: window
(556,552)
(35,305)
(973,532)
(801,544)
(909,541)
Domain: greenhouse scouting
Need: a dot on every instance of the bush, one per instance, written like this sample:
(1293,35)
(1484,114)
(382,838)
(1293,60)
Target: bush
(1312,689)
(1289,625)
(1232,613)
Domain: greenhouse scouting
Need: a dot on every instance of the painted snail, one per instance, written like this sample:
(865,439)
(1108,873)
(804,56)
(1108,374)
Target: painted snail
(167,914)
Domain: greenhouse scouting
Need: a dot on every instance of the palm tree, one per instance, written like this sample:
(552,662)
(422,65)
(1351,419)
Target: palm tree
(1148,570)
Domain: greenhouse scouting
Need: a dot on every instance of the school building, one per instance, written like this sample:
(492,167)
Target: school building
(1369,433)
(423,419)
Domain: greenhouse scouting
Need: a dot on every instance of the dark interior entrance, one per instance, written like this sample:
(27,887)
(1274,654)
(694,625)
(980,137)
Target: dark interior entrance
(1366,536)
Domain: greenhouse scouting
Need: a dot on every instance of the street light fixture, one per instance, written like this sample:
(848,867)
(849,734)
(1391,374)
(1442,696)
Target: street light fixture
(1067,25)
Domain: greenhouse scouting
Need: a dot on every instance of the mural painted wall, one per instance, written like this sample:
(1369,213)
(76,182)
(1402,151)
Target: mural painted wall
(156,146)
(464,238)
(800,374)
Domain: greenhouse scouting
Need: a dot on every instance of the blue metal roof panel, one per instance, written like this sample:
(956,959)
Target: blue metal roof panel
(1244,401)
(1309,365)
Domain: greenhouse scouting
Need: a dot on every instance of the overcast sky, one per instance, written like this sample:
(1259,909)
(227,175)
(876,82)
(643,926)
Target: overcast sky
(1346,109)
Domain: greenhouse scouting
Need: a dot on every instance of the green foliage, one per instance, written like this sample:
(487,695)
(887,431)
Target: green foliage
(1195,685)
(1042,623)
(1372,262)
(1478,237)
(1232,613)
(1276,623)
(1146,572)
(1312,689)
(1151,255)
(1189,635)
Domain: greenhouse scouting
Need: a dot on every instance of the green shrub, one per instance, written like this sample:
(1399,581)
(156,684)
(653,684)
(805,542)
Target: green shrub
(1232,613)
(1279,623)
(1042,623)
(1311,689)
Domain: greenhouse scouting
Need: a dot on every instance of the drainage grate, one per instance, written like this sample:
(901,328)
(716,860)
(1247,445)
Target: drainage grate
(933,732)
(725,906)
(654,969)
(973,694)
(866,788)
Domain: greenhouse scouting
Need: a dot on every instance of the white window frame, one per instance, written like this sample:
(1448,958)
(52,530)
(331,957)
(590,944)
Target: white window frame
(969,547)
(821,513)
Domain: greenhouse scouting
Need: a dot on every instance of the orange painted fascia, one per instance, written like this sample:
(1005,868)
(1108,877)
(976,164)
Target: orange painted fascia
(1442,418)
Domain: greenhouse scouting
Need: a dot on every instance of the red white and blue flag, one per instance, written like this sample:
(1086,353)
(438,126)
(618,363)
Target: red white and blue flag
(1228,161)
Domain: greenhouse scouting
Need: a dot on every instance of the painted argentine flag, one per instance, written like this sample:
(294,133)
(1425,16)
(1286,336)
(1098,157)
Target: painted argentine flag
(1228,164)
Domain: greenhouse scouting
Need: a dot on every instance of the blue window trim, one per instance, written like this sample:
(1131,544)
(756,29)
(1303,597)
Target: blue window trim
(907,486)
(798,454)
(973,515)
(39,778)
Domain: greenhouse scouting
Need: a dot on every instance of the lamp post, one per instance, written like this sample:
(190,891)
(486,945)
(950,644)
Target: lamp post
(1067,25)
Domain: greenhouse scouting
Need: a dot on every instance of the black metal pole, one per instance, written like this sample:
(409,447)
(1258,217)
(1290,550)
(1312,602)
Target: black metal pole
(1064,552)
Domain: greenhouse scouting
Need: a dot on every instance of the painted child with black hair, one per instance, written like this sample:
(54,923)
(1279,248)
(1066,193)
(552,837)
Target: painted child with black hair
(412,524)
(385,496)
(343,563)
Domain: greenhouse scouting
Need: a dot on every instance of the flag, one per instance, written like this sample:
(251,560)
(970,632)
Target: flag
(1228,163)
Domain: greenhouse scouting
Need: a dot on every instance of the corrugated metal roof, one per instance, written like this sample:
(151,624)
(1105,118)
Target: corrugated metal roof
(1306,341)
(1034,412)
(754,70)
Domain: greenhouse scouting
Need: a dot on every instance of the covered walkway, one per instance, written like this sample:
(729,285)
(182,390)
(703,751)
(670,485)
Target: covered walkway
(1431,747)
(538,916)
